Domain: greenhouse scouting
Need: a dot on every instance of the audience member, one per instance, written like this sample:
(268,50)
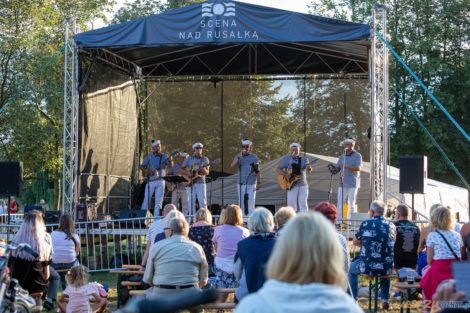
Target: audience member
(465,234)
(330,211)
(156,228)
(13,206)
(32,273)
(376,237)
(405,251)
(226,238)
(66,249)
(305,272)
(443,248)
(282,216)
(160,236)
(422,256)
(176,263)
(79,292)
(446,293)
(202,232)
(254,251)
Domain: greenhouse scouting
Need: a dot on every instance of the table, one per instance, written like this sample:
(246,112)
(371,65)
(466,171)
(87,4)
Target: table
(406,288)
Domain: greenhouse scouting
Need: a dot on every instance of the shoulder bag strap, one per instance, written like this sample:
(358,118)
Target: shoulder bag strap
(448,245)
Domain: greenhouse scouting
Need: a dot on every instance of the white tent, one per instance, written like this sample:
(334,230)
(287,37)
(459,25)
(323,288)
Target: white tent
(270,193)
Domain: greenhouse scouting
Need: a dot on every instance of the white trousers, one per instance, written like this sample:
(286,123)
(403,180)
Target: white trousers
(250,190)
(181,193)
(350,194)
(199,191)
(157,187)
(298,194)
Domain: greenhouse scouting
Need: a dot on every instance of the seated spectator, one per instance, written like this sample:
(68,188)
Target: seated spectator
(160,236)
(405,251)
(330,211)
(79,291)
(422,256)
(13,206)
(226,238)
(32,273)
(202,232)
(155,228)
(254,251)
(66,249)
(465,234)
(305,271)
(376,237)
(175,264)
(443,248)
(282,216)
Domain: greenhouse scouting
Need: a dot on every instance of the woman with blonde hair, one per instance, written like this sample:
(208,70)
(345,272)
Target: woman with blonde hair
(32,273)
(443,248)
(305,271)
(202,232)
(282,216)
(226,238)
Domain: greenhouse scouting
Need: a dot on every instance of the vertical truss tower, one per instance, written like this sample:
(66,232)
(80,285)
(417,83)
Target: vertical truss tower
(70,137)
(379,105)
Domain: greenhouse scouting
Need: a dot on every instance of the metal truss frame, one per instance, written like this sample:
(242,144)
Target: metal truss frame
(378,77)
(379,106)
(70,137)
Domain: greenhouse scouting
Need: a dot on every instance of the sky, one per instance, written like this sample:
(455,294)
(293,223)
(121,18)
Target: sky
(291,5)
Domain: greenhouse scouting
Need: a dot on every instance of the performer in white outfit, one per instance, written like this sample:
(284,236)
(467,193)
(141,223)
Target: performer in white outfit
(197,164)
(155,164)
(180,191)
(350,165)
(299,166)
(249,176)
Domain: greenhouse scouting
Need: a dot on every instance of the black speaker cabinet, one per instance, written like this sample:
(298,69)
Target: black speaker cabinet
(11,178)
(413,174)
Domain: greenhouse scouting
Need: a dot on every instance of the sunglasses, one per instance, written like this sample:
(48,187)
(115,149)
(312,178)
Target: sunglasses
(245,146)
(198,147)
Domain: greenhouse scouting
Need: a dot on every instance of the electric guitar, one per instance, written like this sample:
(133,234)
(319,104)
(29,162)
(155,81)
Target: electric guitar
(197,172)
(150,173)
(287,184)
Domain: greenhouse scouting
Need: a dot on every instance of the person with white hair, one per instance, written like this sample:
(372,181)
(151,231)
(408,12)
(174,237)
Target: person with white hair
(249,176)
(349,163)
(376,237)
(196,166)
(294,164)
(180,191)
(253,252)
(155,165)
(305,272)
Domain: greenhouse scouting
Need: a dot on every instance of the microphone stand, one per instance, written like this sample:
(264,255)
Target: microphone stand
(192,206)
(342,184)
(330,191)
(245,196)
(240,181)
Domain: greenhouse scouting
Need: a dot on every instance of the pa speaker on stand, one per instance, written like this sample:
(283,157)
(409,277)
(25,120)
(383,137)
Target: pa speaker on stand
(413,175)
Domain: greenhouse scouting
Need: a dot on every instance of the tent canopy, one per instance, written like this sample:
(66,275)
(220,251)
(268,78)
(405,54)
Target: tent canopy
(219,37)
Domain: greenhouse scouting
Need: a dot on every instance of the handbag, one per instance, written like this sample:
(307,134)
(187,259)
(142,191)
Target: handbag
(448,245)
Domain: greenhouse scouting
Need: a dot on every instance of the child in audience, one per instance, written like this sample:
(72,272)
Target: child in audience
(79,291)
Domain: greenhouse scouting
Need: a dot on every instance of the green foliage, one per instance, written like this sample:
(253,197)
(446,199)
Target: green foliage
(432,37)
(31,125)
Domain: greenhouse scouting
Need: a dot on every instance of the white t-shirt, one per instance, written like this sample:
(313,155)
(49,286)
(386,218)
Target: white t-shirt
(441,250)
(64,249)
(155,228)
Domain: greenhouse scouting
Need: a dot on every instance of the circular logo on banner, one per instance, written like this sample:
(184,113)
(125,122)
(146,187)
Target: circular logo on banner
(218,9)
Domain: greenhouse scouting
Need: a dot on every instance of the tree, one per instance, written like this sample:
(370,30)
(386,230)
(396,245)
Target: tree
(432,38)
(31,125)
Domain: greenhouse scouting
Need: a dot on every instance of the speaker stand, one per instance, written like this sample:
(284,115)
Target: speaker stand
(8,222)
(413,215)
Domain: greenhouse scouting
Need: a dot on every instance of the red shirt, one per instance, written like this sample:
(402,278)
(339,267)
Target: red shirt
(13,207)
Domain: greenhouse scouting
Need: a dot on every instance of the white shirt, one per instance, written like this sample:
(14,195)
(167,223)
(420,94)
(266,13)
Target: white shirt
(64,249)
(155,228)
(441,250)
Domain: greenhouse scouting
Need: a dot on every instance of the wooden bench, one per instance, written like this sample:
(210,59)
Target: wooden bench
(374,283)
(126,270)
(62,274)
(37,296)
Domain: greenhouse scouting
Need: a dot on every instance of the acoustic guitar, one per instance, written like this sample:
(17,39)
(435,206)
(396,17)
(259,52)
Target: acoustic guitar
(152,173)
(287,184)
(197,172)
